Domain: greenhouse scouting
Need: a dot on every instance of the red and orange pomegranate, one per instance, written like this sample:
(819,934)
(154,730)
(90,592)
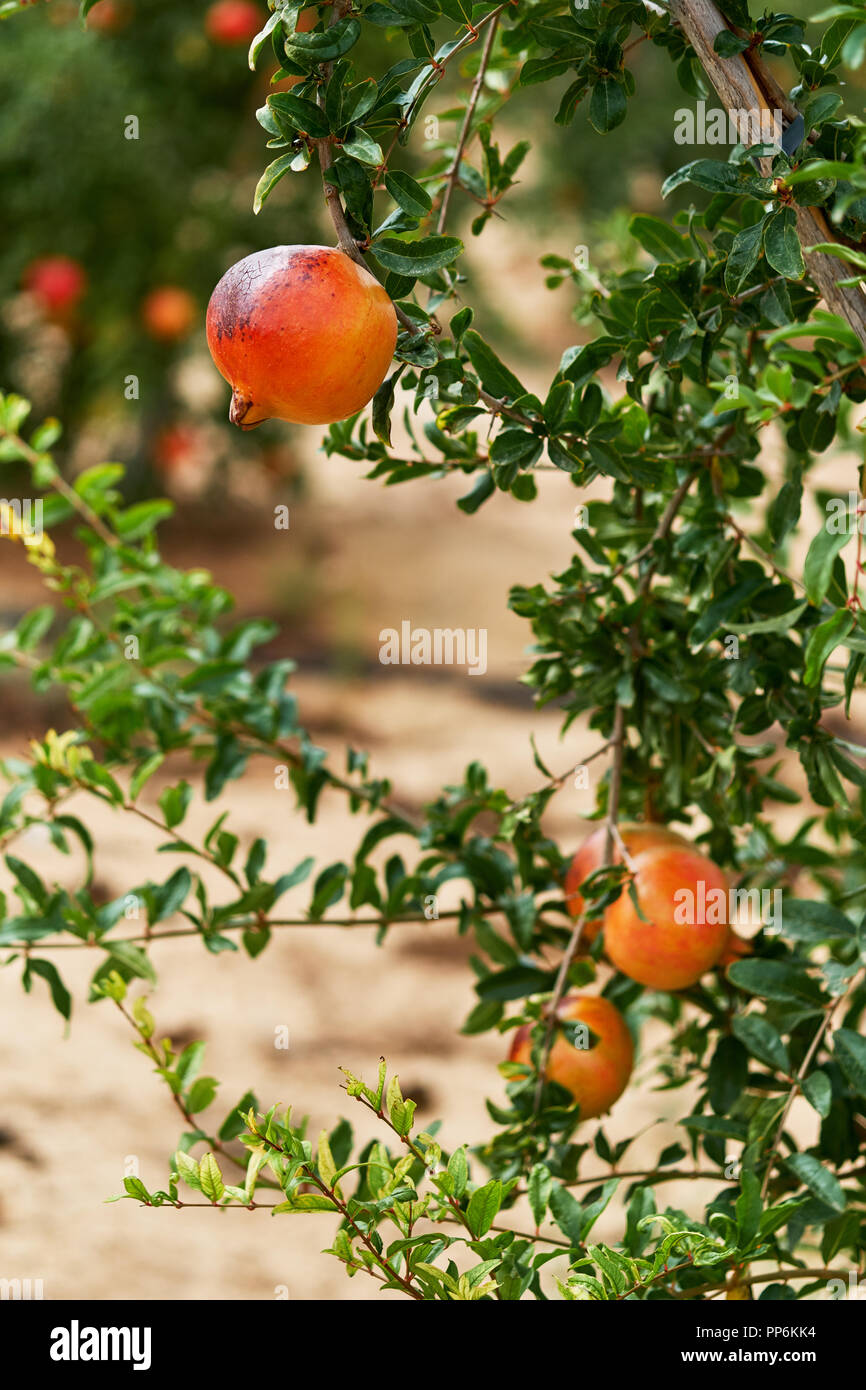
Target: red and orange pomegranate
(301,333)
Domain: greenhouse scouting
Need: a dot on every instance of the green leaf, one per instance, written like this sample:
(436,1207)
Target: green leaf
(188,1063)
(325,1159)
(143,772)
(33,627)
(483,1206)
(408,193)
(749,1208)
(607,105)
(593,1211)
(272,175)
(60,996)
(202,1094)
(298,114)
(820,557)
(727,45)
(131,958)
(364,148)
(808,920)
(743,257)
(174,803)
(139,520)
(416,258)
(211,1178)
(823,641)
(759,1036)
(567,1212)
(782,244)
(187,1169)
(478,494)
(383,404)
(538,1190)
(773,979)
(662,242)
(495,376)
(820,1181)
(849,1049)
(314,48)
(818,1091)
(136,1188)
(458,1171)
(706,173)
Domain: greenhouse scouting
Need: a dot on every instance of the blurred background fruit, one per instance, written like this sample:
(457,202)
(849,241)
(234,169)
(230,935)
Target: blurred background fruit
(232,22)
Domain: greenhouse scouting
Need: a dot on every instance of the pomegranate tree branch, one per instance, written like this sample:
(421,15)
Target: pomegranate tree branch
(324,150)
(361,1232)
(452,176)
(617,743)
(743,83)
(147,1047)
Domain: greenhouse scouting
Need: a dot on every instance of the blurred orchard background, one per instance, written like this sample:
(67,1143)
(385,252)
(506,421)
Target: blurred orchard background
(109,249)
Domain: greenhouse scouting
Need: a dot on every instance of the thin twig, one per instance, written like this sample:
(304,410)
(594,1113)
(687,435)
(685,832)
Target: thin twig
(465,129)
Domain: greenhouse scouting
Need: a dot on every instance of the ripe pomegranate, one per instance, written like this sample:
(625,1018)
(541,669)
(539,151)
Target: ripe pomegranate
(301,333)
(168,313)
(231,22)
(57,282)
(595,1076)
(683,927)
(636,837)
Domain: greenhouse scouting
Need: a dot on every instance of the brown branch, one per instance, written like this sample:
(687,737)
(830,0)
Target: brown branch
(780,1276)
(324,150)
(743,83)
(250,924)
(477,87)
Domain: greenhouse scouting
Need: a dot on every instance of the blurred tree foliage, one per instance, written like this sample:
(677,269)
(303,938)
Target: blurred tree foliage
(173,206)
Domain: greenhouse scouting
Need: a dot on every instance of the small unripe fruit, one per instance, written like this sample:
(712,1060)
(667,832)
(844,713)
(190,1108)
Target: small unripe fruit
(168,313)
(57,282)
(231,22)
(636,837)
(683,898)
(301,333)
(595,1076)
